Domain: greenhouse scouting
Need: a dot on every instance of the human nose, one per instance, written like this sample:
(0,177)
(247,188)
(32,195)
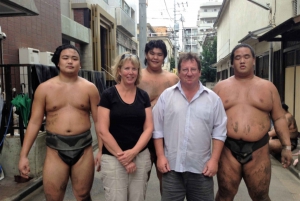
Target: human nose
(130,71)
(69,60)
(189,72)
(242,60)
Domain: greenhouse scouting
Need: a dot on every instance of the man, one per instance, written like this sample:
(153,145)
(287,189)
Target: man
(67,101)
(274,144)
(155,80)
(249,102)
(187,118)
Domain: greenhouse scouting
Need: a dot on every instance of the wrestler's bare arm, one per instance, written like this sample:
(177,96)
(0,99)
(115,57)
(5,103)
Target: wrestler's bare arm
(36,118)
(277,114)
(94,100)
(281,127)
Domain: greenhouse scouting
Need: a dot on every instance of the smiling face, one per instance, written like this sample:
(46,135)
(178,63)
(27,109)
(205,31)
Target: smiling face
(69,61)
(243,62)
(128,73)
(155,59)
(189,73)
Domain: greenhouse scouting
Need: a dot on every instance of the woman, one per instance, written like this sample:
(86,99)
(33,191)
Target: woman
(125,126)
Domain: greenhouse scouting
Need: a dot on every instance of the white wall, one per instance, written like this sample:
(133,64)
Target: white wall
(242,16)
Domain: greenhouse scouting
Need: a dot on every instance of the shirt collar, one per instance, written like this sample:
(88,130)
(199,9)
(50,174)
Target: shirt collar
(200,90)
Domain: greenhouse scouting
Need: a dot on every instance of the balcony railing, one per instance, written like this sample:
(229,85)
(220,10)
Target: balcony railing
(158,34)
(125,22)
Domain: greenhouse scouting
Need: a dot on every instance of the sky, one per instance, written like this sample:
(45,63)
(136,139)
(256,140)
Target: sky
(161,12)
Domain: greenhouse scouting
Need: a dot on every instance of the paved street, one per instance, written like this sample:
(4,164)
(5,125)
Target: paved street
(284,186)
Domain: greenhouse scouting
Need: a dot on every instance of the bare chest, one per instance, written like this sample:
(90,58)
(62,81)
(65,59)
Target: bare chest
(257,97)
(60,99)
(154,87)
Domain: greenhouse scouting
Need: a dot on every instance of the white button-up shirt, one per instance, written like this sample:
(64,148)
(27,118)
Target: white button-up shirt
(188,127)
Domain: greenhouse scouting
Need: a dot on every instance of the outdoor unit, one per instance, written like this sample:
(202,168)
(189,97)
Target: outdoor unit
(29,55)
(45,58)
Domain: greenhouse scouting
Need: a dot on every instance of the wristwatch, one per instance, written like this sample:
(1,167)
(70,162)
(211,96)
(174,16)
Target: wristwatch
(287,147)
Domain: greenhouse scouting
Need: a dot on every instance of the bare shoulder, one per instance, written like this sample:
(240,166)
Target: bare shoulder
(46,87)
(265,84)
(48,83)
(172,77)
(87,84)
(222,84)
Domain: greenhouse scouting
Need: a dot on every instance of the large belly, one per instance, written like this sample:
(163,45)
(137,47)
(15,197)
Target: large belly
(247,123)
(68,122)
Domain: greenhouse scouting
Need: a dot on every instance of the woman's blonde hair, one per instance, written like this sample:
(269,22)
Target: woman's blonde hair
(120,60)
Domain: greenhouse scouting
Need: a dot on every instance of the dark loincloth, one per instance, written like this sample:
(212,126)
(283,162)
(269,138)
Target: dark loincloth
(70,148)
(243,150)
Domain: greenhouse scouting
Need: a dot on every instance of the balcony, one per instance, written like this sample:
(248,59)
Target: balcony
(191,42)
(125,22)
(165,34)
(208,15)
(205,25)
(190,35)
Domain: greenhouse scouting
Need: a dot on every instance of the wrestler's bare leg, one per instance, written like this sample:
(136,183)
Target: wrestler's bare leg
(82,175)
(229,176)
(275,146)
(257,174)
(55,176)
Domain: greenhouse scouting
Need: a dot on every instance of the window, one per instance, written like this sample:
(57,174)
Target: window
(126,8)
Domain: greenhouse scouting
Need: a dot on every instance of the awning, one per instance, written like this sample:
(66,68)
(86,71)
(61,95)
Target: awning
(252,36)
(290,27)
(11,8)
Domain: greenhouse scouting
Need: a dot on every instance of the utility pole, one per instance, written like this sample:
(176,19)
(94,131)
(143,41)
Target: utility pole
(175,42)
(142,30)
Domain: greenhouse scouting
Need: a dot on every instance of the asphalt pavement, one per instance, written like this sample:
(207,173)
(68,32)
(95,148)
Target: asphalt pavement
(284,186)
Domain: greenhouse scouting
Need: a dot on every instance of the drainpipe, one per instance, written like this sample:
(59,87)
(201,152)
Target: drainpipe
(271,62)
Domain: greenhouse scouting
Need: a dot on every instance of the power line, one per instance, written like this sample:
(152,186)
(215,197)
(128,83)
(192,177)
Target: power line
(168,10)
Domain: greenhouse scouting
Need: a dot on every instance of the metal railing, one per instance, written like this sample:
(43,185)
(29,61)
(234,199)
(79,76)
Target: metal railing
(15,79)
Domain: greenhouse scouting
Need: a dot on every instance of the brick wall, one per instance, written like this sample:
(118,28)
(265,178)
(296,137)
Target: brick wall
(42,32)
(82,16)
(79,16)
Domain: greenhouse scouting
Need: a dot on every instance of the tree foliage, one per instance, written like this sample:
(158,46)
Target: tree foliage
(208,57)
(172,63)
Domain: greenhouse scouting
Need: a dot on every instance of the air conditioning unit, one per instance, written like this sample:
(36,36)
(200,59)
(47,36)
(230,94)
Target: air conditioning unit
(29,55)
(45,58)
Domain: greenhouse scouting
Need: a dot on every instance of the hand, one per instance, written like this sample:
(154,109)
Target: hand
(126,157)
(211,168)
(130,168)
(24,168)
(286,158)
(98,161)
(163,164)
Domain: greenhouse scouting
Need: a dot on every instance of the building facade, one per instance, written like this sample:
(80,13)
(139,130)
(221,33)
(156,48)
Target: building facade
(271,29)
(112,30)
(190,39)
(207,16)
